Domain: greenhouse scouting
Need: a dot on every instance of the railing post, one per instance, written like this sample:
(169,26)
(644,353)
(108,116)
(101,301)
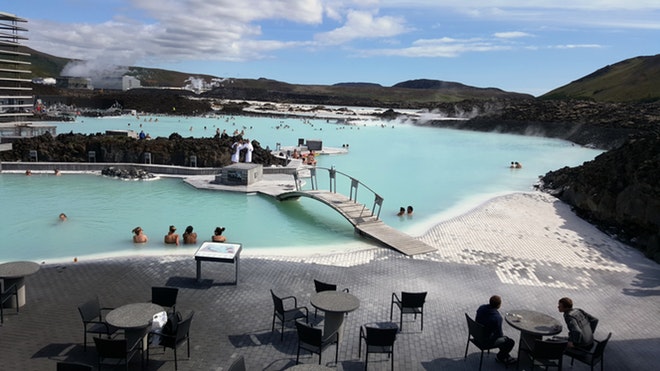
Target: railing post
(312,174)
(377,201)
(354,185)
(295,180)
(333,179)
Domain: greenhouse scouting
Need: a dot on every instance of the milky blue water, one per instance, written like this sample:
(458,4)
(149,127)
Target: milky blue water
(440,172)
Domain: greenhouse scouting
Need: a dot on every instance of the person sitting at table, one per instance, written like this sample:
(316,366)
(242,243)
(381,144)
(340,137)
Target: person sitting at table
(489,316)
(217,235)
(581,325)
(172,238)
(189,237)
(139,236)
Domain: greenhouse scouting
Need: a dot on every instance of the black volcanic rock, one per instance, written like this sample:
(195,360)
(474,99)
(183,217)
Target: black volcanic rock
(175,150)
(618,191)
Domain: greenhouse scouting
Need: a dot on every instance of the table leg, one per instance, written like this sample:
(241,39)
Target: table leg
(525,345)
(199,271)
(334,323)
(236,273)
(20,290)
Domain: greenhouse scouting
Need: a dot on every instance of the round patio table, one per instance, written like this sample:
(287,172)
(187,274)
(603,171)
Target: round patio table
(335,304)
(532,325)
(134,319)
(15,273)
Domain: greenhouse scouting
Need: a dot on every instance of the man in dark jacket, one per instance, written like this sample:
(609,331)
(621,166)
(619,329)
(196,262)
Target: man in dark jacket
(489,316)
(580,324)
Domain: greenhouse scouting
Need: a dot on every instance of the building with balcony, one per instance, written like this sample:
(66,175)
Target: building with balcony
(16,98)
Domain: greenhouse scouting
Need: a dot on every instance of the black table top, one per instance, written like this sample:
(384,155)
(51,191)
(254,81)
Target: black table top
(533,322)
(18,269)
(335,301)
(133,316)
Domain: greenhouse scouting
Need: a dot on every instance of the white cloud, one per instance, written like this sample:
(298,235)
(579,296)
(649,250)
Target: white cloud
(439,48)
(363,25)
(511,35)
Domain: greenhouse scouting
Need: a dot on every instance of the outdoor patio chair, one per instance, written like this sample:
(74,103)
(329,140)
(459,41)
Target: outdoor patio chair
(590,357)
(477,335)
(238,364)
(91,314)
(322,286)
(409,303)
(72,366)
(377,340)
(547,354)
(287,315)
(118,351)
(6,292)
(177,337)
(311,339)
(165,297)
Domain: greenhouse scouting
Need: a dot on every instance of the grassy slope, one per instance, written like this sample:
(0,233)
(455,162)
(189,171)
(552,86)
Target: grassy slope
(632,80)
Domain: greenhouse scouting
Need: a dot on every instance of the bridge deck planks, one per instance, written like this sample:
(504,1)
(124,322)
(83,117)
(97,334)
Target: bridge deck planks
(366,224)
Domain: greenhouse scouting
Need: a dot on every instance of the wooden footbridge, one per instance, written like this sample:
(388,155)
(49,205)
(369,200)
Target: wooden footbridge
(364,220)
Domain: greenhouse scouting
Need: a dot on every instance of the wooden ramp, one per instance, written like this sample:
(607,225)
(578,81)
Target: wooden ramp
(364,222)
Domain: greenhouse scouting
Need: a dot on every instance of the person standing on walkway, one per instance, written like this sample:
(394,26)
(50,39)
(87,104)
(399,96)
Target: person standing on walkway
(581,325)
(489,316)
(249,148)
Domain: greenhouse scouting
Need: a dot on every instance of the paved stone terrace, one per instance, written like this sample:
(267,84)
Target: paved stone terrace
(529,268)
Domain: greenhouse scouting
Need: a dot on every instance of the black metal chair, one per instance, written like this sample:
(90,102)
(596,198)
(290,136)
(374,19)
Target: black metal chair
(322,286)
(590,357)
(177,337)
(72,366)
(478,336)
(238,364)
(5,294)
(118,350)
(409,303)
(377,340)
(547,354)
(91,314)
(165,297)
(287,315)
(311,339)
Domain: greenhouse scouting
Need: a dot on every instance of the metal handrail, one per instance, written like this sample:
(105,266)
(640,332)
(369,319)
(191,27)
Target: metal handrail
(332,175)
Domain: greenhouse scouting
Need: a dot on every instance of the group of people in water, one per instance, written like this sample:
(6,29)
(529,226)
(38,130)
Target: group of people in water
(515,165)
(405,211)
(172,238)
(308,159)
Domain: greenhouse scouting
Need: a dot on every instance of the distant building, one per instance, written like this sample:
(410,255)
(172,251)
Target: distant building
(72,82)
(116,82)
(16,99)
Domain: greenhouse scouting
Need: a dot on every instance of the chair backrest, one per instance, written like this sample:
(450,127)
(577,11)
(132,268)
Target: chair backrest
(90,310)
(308,334)
(322,286)
(477,331)
(164,296)
(111,348)
(600,346)
(180,334)
(238,364)
(382,337)
(277,302)
(413,299)
(70,366)
(549,349)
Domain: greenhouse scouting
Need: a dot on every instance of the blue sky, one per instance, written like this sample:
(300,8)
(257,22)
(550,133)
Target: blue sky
(525,46)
